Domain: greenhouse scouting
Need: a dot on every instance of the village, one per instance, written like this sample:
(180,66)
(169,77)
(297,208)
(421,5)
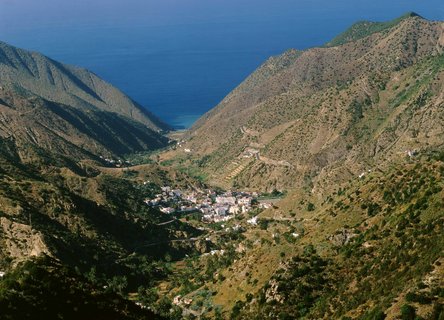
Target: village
(213,206)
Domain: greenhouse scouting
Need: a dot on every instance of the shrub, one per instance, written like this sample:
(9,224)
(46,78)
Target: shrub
(310,207)
(408,312)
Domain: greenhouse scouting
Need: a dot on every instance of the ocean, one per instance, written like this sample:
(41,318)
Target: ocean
(180,58)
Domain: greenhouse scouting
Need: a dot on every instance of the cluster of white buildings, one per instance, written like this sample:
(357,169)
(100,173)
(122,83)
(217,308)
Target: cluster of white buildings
(182,301)
(213,207)
(170,200)
(117,163)
(227,205)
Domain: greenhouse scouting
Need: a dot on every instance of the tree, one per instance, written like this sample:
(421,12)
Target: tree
(118,284)
(148,295)
(408,312)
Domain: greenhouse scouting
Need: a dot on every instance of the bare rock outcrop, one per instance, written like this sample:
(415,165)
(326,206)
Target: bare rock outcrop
(20,241)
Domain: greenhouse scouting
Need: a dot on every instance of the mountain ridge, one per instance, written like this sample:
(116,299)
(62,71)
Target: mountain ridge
(364,28)
(348,139)
(336,82)
(70,110)
(42,76)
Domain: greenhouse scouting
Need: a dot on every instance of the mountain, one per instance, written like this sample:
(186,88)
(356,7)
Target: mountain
(352,132)
(318,117)
(363,29)
(34,74)
(78,237)
(72,131)
(75,233)
(372,249)
(69,110)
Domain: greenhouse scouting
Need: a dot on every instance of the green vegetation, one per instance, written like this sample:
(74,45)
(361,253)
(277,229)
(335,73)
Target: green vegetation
(44,289)
(364,29)
(301,286)
(94,223)
(275,194)
(380,261)
(339,244)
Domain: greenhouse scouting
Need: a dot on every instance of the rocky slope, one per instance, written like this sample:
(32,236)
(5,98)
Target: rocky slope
(372,249)
(328,113)
(81,222)
(69,110)
(32,73)
(78,132)
(354,131)
(91,221)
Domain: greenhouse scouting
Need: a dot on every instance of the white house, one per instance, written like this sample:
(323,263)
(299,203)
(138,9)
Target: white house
(244,201)
(233,210)
(226,200)
(253,221)
(221,211)
(167,210)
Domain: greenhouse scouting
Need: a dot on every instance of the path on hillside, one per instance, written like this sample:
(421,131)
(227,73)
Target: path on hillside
(169,241)
(167,222)
(193,239)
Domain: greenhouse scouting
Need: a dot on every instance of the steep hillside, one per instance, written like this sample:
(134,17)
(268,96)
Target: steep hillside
(370,250)
(34,74)
(327,114)
(92,222)
(363,29)
(69,110)
(76,237)
(354,132)
(44,289)
(78,132)
(375,247)
(74,212)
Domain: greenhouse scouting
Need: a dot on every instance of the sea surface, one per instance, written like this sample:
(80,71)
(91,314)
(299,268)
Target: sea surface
(179,58)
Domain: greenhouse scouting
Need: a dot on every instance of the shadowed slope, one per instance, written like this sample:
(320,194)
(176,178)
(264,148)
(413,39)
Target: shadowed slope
(36,74)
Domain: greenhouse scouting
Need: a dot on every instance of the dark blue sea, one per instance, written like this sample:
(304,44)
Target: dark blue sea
(179,58)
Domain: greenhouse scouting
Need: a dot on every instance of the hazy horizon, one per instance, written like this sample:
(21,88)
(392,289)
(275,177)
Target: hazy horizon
(180,58)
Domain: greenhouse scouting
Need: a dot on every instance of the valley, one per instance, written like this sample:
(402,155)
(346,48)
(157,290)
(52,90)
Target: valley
(313,191)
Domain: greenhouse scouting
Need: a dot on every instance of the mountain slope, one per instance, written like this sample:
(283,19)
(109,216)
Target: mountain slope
(372,249)
(69,110)
(363,29)
(58,124)
(93,223)
(72,131)
(329,109)
(34,74)
(364,252)
(44,289)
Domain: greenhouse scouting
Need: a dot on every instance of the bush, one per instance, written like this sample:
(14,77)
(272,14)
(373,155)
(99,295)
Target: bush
(408,312)
(235,312)
(375,314)
(310,207)
(263,224)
